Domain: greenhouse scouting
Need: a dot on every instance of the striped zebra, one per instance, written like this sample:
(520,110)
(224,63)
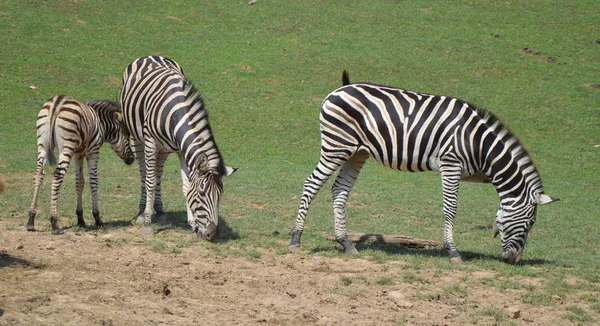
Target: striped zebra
(164,114)
(412,131)
(78,131)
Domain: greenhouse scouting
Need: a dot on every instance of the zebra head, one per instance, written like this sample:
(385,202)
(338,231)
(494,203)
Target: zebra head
(115,131)
(119,139)
(514,225)
(203,198)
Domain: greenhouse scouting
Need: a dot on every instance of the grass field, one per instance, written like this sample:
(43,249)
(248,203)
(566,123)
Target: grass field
(263,70)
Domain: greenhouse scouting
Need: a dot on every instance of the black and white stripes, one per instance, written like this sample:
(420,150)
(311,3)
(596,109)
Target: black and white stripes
(412,131)
(165,113)
(78,131)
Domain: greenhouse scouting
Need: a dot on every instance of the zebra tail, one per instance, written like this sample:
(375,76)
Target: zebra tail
(345,78)
(49,141)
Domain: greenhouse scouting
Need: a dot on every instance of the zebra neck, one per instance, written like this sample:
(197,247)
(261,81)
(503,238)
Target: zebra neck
(515,178)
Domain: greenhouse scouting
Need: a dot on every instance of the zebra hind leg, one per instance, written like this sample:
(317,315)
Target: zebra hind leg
(92,161)
(79,183)
(341,190)
(329,162)
(38,179)
(59,176)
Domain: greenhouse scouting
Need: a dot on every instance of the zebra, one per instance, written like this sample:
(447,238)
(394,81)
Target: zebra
(412,131)
(77,130)
(165,113)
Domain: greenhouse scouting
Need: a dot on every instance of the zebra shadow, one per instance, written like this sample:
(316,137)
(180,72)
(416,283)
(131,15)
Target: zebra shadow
(8,260)
(467,256)
(178,220)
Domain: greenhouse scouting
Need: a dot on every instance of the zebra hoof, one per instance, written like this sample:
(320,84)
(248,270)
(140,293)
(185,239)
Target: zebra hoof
(148,230)
(140,219)
(30,227)
(58,231)
(456,260)
(162,219)
(351,252)
(294,248)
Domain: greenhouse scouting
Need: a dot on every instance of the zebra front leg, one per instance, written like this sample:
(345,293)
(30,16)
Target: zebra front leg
(328,163)
(150,155)
(59,176)
(138,153)
(158,204)
(92,162)
(450,183)
(341,190)
(186,185)
(38,179)
(79,184)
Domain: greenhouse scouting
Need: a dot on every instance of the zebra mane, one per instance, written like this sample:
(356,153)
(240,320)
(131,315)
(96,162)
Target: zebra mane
(193,96)
(514,145)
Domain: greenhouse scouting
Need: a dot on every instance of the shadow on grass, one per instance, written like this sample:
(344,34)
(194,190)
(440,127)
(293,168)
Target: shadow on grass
(178,220)
(7,260)
(397,249)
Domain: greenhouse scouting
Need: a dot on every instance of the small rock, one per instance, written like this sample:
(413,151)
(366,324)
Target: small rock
(551,59)
(50,247)
(557,299)
(292,295)
(20,247)
(513,312)
(400,300)
(108,237)
(251,2)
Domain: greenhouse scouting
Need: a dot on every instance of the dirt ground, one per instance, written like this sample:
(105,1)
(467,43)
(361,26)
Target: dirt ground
(99,278)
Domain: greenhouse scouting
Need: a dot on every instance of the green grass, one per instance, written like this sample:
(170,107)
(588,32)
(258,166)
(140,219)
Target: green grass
(264,69)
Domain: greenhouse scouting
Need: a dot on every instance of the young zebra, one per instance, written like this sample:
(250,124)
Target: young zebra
(78,131)
(412,131)
(164,114)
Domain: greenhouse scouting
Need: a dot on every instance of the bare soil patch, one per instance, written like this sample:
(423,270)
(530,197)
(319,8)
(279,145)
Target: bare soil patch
(112,278)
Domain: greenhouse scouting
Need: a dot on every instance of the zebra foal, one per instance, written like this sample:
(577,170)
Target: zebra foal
(77,130)
(165,114)
(412,131)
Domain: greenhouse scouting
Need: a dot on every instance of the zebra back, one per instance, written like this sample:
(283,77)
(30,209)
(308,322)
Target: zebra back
(174,113)
(66,122)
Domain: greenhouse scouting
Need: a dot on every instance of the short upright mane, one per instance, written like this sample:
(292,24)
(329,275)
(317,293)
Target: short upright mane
(195,99)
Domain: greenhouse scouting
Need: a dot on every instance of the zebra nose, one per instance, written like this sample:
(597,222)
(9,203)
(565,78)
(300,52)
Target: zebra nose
(511,257)
(211,234)
(128,159)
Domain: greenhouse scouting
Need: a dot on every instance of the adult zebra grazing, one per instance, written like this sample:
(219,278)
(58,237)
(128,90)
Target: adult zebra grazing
(164,114)
(78,131)
(412,131)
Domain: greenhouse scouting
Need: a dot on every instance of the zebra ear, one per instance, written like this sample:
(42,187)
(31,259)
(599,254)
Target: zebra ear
(545,199)
(229,170)
(118,117)
(202,162)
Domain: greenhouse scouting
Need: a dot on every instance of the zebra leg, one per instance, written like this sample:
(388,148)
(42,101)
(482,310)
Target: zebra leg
(158,205)
(186,185)
(450,183)
(59,176)
(150,155)
(329,162)
(341,190)
(138,153)
(38,179)
(92,163)
(79,183)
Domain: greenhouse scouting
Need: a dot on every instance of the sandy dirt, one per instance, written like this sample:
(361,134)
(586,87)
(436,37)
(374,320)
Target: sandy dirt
(111,278)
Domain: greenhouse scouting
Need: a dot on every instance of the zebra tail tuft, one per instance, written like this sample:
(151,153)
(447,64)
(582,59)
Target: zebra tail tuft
(345,78)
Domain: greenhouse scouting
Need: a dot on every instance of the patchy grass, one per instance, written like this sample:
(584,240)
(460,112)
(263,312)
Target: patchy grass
(264,69)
